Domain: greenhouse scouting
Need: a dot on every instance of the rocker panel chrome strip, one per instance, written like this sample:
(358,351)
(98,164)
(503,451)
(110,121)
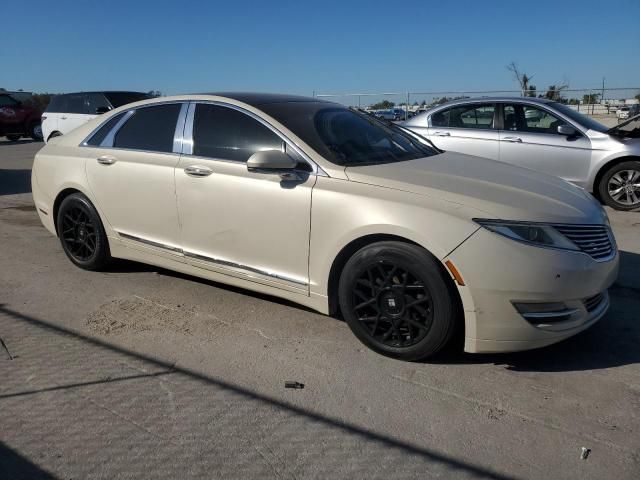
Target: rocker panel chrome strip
(217,261)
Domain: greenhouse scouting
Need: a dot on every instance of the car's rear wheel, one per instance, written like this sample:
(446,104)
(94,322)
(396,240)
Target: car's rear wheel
(620,186)
(35,131)
(396,299)
(13,138)
(81,233)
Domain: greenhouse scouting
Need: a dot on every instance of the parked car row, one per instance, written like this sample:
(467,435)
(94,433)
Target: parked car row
(409,242)
(543,135)
(628,111)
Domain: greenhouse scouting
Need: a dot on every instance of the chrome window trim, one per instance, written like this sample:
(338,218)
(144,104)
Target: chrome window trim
(188,135)
(118,125)
(217,261)
(107,141)
(178,135)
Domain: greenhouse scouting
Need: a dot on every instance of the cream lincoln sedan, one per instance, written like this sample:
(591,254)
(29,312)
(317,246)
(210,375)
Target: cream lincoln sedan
(333,209)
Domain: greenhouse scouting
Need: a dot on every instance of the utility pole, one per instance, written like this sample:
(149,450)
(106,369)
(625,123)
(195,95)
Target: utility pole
(602,96)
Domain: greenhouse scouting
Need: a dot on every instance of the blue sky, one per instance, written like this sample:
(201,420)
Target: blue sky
(327,46)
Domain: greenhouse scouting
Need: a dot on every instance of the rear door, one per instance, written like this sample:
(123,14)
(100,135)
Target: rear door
(529,138)
(466,129)
(131,174)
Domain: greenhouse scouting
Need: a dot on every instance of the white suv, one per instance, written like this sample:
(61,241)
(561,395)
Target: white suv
(70,110)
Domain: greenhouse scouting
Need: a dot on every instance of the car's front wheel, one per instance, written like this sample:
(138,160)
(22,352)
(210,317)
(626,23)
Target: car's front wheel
(81,233)
(397,300)
(620,186)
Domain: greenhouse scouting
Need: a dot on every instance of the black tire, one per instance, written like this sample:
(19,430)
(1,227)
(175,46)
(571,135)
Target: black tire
(54,135)
(398,301)
(35,131)
(14,138)
(619,187)
(81,233)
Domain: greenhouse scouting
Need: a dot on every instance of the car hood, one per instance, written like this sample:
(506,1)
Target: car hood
(490,188)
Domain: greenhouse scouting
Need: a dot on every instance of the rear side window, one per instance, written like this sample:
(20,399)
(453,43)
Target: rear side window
(149,128)
(101,134)
(58,104)
(96,103)
(465,116)
(225,133)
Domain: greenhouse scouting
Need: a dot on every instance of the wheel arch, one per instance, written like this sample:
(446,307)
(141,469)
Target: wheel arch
(356,244)
(608,165)
(55,133)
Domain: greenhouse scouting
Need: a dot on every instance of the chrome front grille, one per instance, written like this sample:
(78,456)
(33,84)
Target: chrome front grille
(594,302)
(592,239)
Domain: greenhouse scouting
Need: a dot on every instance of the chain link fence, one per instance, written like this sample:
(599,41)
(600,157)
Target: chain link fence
(591,101)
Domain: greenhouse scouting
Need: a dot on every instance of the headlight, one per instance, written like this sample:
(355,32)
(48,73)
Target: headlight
(532,233)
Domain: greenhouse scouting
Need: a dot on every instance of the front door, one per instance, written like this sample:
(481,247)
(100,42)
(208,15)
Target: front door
(251,225)
(529,138)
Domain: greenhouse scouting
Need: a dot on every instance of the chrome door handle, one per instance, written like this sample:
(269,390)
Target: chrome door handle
(106,160)
(198,171)
(63,118)
(512,139)
(442,134)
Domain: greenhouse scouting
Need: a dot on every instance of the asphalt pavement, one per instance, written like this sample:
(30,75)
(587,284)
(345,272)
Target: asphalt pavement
(140,372)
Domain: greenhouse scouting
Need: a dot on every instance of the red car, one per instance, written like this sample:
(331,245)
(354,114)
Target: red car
(19,119)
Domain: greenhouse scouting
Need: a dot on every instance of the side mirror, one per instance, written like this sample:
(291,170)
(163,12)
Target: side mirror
(101,110)
(566,130)
(270,160)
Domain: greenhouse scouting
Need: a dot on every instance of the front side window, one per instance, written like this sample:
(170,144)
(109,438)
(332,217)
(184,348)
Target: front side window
(149,128)
(347,137)
(525,118)
(468,116)
(225,133)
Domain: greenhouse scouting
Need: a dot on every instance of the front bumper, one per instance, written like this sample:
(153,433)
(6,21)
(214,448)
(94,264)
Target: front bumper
(498,271)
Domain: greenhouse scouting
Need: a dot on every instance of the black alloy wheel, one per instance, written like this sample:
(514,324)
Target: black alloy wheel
(82,234)
(393,304)
(398,300)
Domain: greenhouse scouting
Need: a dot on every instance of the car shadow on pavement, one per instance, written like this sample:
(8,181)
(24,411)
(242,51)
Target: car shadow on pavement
(15,466)
(15,181)
(205,424)
(612,342)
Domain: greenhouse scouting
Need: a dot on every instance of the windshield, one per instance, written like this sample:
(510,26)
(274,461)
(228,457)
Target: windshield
(347,137)
(579,118)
